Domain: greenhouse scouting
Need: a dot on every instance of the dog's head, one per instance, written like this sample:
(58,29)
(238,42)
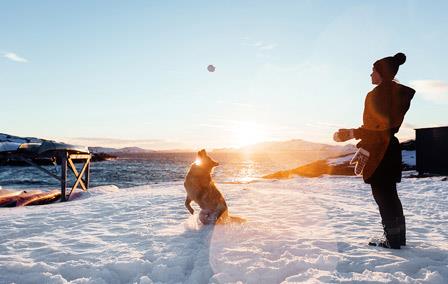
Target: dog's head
(204,161)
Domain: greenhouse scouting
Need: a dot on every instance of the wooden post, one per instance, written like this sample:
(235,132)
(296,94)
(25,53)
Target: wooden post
(78,176)
(63,176)
(87,175)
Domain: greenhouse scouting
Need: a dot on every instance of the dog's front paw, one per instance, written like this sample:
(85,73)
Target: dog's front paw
(207,216)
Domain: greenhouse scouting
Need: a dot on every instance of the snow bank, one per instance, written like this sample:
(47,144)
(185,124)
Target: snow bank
(300,230)
(18,140)
(9,146)
(340,160)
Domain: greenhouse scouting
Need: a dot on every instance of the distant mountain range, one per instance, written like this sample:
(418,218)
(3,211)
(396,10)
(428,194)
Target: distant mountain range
(126,150)
(278,147)
(297,151)
(272,147)
(293,145)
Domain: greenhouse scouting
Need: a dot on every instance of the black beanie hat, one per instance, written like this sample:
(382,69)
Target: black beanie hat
(388,66)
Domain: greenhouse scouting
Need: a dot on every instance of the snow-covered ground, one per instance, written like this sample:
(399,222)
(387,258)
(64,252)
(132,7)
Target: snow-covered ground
(300,230)
(408,157)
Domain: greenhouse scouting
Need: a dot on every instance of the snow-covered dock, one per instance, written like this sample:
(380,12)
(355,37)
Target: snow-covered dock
(30,149)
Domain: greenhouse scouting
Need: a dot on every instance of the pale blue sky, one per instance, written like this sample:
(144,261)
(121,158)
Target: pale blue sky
(136,70)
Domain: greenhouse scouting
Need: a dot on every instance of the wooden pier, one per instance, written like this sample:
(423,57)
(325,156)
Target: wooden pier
(64,160)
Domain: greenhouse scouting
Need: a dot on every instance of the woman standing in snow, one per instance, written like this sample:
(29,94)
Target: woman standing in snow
(379,153)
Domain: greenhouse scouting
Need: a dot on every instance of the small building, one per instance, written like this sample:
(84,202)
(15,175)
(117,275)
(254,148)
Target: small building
(432,150)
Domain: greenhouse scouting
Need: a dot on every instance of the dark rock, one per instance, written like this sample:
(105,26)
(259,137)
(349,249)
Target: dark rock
(99,157)
(408,145)
(314,169)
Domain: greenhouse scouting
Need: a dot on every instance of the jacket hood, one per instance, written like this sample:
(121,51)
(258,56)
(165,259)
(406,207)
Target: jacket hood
(406,92)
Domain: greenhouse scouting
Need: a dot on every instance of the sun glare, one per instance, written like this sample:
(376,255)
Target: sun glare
(248,133)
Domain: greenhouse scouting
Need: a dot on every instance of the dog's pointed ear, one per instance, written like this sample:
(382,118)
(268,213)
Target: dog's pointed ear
(202,153)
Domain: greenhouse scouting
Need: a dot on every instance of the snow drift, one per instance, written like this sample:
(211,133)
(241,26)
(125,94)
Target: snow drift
(298,230)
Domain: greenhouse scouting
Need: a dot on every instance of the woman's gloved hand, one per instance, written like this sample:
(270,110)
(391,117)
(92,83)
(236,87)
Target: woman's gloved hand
(343,135)
(360,160)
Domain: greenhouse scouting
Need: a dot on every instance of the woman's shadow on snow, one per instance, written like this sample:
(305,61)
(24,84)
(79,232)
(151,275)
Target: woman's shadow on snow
(185,256)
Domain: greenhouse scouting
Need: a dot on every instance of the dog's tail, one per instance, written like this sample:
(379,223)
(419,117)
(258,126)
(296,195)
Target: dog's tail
(226,218)
(236,219)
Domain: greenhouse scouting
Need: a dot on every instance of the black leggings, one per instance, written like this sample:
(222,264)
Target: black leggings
(386,197)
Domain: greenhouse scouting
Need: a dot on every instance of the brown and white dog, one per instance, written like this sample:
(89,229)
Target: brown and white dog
(202,189)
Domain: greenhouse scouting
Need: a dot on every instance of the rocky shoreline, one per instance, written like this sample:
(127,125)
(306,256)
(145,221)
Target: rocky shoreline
(340,165)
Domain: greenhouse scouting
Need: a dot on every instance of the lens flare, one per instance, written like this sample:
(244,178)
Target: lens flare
(248,133)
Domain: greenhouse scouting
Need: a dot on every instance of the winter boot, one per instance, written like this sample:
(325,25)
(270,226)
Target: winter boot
(391,238)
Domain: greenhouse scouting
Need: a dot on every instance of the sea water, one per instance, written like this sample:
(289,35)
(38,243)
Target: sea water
(154,169)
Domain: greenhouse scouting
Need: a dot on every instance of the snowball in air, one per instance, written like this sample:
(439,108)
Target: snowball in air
(211,68)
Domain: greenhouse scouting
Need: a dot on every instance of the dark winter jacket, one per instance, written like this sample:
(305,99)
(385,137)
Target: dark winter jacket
(384,110)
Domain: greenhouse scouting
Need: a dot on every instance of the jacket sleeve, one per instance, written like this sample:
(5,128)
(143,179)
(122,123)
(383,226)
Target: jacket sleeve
(369,135)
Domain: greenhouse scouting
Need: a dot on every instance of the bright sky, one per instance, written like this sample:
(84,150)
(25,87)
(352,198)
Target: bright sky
(120,73)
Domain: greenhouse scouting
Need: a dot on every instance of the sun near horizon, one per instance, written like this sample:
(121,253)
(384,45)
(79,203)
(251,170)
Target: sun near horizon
(249,133)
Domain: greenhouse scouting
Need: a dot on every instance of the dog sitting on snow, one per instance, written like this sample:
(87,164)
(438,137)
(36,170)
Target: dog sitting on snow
(202,189)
